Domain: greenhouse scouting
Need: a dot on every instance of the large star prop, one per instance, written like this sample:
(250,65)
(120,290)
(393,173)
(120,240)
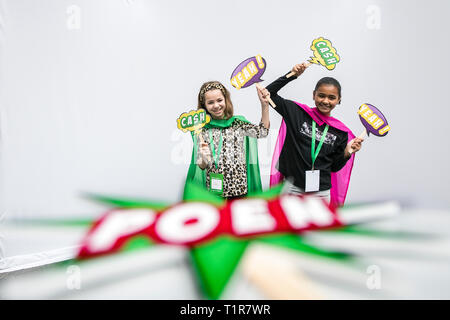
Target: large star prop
(215,254)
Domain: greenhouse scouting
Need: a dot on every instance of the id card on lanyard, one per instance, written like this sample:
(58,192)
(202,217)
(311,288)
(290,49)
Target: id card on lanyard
(312,177)
(216,179)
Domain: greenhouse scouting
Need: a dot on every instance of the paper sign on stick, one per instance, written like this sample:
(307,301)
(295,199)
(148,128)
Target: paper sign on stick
(249,72)
(373,120)
(195,120)
(324,54)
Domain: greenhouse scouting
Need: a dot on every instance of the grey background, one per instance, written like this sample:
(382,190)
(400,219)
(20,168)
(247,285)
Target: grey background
(90,92)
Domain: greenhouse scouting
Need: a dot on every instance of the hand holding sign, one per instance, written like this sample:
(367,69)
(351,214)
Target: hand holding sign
(204,153)
(353,146)
(324,54)
(249,72)
(263,94)
(298,69)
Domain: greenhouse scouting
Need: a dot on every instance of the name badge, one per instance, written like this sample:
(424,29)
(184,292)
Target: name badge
(216,183)
(312,182)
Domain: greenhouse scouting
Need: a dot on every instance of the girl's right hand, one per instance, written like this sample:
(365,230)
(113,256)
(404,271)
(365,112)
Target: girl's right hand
(204,154)
(298,69)
(263,95)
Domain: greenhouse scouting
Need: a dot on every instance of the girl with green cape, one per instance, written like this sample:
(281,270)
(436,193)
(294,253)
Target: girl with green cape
(225,154)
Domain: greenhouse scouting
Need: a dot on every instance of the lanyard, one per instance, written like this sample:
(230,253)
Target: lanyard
(315,153)
(213,150)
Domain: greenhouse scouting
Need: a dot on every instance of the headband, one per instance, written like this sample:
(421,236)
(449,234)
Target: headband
(211,86)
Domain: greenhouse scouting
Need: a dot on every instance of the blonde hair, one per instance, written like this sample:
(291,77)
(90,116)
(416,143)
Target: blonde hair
(213,85)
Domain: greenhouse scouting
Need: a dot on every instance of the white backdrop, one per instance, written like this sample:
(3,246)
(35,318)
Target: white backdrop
(90,92)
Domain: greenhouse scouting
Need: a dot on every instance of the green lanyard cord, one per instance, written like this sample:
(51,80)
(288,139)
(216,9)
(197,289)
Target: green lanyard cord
(315,153)
(213,150)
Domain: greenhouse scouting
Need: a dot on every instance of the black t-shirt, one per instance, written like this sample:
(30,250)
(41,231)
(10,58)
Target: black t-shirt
(295,157)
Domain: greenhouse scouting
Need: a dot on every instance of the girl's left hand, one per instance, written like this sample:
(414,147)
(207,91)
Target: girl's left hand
(263,95)
(353,146)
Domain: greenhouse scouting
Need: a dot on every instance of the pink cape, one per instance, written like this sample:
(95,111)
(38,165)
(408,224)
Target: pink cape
(339,180)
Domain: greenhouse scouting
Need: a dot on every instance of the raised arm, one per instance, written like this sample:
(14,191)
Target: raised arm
(264,96)
(275,86)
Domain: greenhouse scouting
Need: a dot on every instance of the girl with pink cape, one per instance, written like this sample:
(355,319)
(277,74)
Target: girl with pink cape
(292,156)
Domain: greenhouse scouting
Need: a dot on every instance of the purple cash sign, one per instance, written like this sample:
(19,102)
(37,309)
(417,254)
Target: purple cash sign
(373,120)
(248,72)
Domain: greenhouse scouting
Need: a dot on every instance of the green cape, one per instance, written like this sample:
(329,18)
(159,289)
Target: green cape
(197,175)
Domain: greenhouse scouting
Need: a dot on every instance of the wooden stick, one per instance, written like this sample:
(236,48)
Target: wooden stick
(272,104)
(277,275)
(292,73)
(363,134)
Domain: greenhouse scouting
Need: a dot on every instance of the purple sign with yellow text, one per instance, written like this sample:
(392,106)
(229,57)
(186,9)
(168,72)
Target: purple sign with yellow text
(373,120)
(248,72)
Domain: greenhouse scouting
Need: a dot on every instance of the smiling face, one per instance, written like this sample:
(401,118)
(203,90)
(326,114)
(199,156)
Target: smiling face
(326,97)
(215,103)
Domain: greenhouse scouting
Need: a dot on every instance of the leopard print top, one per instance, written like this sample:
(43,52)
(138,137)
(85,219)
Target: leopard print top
(231,162)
